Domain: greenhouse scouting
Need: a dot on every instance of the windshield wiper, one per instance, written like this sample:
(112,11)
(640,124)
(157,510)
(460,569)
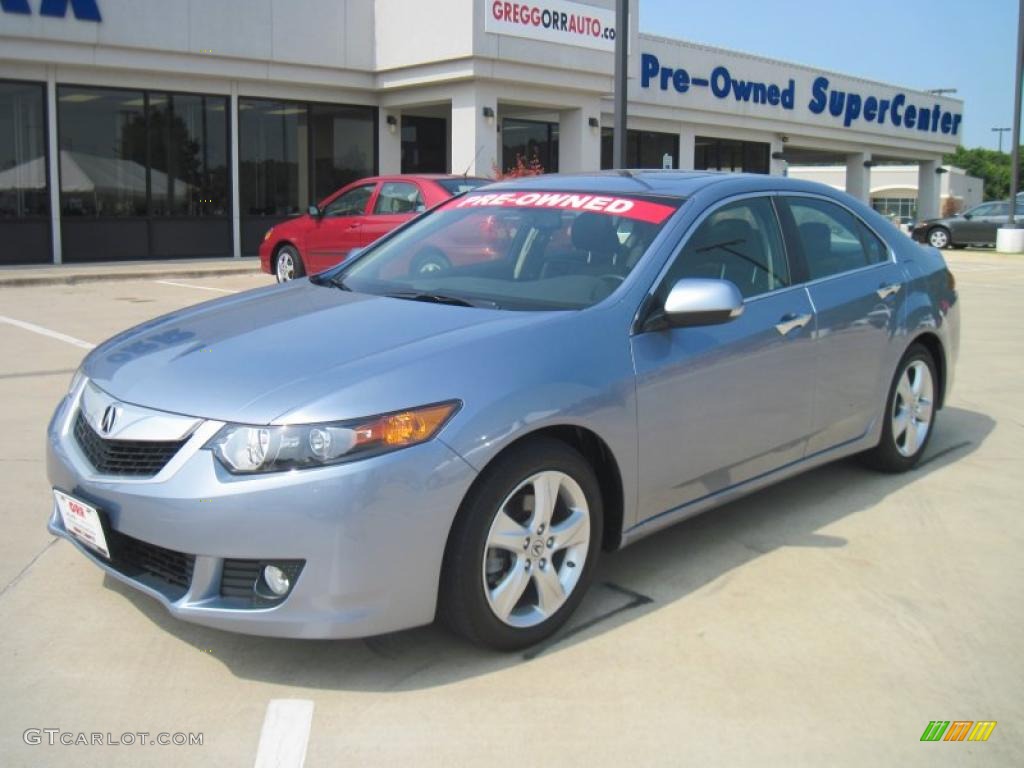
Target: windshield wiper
(333,282)
(440,298)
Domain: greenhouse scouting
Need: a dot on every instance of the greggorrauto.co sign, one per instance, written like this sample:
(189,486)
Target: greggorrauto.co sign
(554,21)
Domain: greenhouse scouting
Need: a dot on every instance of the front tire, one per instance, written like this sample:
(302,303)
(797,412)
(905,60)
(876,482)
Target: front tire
(938,237)
(522,551)
(910,411)
(288,264)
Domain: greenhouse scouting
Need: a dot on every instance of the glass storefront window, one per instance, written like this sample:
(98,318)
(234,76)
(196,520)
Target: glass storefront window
(901,208)
(644,149)
(24,186)
(136,153)
(344,146)
(188,155)
(102,152)
(293,154)
(529,139)
(273,156)
(714,154)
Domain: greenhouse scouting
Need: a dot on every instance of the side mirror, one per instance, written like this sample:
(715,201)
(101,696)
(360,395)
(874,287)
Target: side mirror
(314,211)
(701,301)
(968,216)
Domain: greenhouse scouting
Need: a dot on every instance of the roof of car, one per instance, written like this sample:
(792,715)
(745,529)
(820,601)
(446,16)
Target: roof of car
(658,182)
(428,176)
(640,181)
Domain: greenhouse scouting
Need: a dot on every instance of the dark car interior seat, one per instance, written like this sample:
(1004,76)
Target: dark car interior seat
(596,249)
(816,239)
(730,249)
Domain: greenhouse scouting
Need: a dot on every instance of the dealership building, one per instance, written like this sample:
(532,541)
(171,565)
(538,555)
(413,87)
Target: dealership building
(147,129)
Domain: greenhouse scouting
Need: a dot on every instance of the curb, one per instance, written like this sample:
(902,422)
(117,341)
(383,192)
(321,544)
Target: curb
(74,278)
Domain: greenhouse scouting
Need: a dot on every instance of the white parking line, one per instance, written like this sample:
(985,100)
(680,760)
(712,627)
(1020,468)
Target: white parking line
(285,734)
(197,287)
(46,332)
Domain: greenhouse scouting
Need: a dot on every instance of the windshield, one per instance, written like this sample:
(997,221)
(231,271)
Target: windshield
(461,184)
(514,250)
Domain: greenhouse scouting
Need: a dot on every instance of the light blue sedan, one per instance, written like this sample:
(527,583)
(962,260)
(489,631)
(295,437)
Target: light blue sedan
(360,451)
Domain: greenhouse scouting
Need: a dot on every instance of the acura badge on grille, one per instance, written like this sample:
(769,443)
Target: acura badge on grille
(109,417)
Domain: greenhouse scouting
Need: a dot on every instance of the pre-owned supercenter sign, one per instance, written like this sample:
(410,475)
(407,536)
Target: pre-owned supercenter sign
(848,108)
(555,21)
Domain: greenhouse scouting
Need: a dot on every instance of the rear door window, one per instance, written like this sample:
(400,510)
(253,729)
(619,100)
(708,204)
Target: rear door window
(832,239)
(397,197)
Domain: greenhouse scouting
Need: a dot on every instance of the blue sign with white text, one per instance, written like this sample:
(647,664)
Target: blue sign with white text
(849,107)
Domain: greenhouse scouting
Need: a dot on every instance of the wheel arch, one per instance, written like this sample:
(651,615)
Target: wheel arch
(935,348)
(598,454)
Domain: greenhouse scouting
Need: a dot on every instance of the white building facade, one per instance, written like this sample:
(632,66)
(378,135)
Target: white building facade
(894,192)
(179,128)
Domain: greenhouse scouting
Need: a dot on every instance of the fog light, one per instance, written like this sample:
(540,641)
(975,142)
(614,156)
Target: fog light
(276,580)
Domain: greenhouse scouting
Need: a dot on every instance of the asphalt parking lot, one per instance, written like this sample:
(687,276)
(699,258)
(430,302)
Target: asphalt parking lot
(824,621)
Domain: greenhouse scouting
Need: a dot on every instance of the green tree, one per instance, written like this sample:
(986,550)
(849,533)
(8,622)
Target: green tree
(987,164)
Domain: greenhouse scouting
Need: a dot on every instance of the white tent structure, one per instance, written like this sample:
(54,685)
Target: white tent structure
(82,173)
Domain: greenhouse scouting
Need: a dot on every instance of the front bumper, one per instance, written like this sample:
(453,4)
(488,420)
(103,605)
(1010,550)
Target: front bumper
(372,533)
(265,251)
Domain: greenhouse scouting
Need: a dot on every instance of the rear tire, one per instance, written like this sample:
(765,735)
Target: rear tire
(523,547)
(288,264)
(909,417)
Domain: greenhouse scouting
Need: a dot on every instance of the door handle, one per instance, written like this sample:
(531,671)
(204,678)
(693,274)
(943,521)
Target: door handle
(885,291)
(355,225)
(791,321)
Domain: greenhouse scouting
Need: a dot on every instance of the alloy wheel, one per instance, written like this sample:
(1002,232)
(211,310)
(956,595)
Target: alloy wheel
(938,238)
(285,266)
(536,549)
(912,408)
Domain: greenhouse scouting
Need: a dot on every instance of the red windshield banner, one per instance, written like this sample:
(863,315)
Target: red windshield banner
(628,207)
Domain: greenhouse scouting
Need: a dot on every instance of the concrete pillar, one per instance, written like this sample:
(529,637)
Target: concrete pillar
(579,145)
(928,189)
(389,142)
(687,148)
(236,202)
(858,176)
(474,137)
(776,167)
(54,169)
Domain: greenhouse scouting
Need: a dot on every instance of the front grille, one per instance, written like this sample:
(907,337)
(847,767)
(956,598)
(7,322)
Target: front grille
(165,569)
(141,458)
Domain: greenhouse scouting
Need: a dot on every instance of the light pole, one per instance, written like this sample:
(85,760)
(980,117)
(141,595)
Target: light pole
(1009,239)
(1001,131)
(621,75)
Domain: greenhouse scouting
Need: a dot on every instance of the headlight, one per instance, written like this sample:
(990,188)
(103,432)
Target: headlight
(244,449)
(268,234)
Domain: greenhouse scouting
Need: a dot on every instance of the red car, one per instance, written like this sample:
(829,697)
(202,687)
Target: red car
(353,217)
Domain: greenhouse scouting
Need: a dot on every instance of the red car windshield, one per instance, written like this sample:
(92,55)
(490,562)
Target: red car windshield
(515,250)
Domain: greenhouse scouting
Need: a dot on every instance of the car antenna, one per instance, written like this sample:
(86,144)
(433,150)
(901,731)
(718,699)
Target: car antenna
(634,177)
(465,173)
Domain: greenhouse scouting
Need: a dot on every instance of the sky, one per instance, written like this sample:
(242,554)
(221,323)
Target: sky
(923,44)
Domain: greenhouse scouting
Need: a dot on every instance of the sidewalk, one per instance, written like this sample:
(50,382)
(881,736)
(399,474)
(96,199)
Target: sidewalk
(50,274)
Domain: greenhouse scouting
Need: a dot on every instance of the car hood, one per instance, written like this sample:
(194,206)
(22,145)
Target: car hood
(255,357)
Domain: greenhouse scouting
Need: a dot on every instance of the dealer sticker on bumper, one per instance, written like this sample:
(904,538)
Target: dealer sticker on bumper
(82,522)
